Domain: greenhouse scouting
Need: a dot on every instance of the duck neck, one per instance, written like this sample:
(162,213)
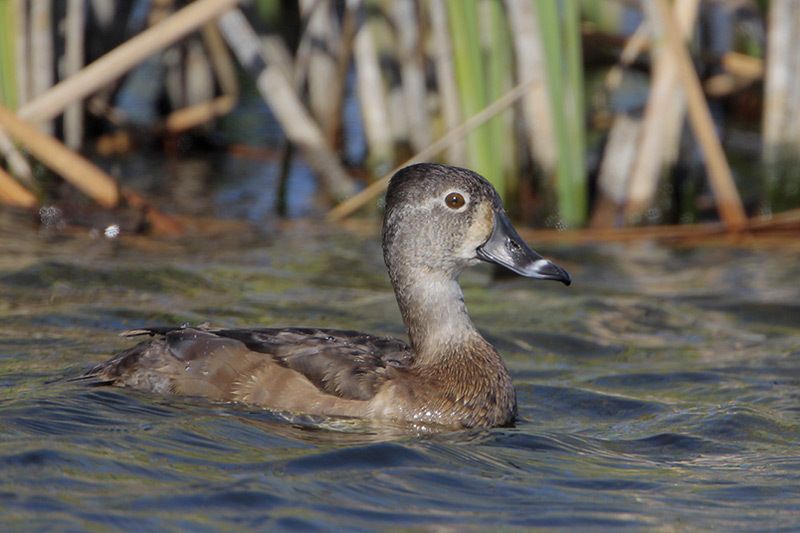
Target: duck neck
(434,312)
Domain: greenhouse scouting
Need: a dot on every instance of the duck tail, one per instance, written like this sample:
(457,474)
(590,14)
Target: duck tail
(108,372)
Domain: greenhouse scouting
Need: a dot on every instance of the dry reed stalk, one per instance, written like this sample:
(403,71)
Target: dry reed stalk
(74,168)
(319,53)
(343,68)
(99,106)
(126,56)
(353,204)
(195,115)
(198,74)
(787,220)
(615,170)
(277,90)
(173,62)
(42,58)
(221,60)
(16,161)
(620,151)
(594,235)
(781,110)
(743,66)
(278,55)
(371,94)
(663,117)
(159,223)
(762,231)
(415,95)
(619,154)
(686,13)
(159,10)
(741,71)
(211,108)
(12,193)
(103,11)
(398,113)
(530,62)
(729,204)
(446,78)
(634,46)
(73,62)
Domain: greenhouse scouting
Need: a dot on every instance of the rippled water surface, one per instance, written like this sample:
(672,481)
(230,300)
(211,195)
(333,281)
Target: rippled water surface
(661,389)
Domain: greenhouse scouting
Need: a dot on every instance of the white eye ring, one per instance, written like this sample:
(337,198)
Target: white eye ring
(456,200)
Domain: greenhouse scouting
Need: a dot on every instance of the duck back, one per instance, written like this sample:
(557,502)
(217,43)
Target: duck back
(315,371)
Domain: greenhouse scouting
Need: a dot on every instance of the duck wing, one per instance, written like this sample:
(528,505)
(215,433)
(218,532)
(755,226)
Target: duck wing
(221,363)
(346,363)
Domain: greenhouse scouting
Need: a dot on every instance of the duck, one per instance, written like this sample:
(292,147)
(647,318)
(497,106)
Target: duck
(438,221)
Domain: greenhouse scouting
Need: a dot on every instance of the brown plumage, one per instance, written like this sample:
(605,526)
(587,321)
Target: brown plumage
(438,221)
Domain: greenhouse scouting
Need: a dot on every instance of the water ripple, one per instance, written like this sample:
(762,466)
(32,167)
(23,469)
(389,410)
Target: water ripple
(660,392)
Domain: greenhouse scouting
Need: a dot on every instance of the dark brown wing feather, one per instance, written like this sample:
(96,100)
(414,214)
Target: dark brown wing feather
(347,364)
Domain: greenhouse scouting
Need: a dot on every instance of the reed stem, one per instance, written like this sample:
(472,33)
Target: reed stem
(729,204)
(499,69)
(371,93)
(74,168)
(471,78)
(446,79)
(12,193)
(565,84)
(42,54)
(74,31)
(8,78)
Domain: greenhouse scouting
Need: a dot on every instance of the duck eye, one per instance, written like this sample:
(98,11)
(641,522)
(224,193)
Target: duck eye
(454,200)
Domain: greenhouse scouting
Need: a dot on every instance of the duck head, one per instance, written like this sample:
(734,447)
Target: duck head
(441,219)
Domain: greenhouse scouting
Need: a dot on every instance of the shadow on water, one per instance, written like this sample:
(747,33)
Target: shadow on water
(662,389)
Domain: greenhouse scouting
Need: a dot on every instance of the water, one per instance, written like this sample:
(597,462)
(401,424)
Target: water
(661,390)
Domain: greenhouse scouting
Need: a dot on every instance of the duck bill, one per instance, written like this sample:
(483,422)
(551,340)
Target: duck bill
(505,247)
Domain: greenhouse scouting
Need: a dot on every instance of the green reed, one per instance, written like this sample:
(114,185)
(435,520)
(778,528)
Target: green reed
(471,77)
(8,81)
(560,29)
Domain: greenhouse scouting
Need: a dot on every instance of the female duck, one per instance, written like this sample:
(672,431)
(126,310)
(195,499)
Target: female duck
(439,220)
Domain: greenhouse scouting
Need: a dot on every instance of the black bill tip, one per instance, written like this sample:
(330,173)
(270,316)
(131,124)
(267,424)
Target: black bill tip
(544,269)
(505,247)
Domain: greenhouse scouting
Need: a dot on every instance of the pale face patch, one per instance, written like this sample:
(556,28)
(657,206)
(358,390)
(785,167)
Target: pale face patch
(479,231)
